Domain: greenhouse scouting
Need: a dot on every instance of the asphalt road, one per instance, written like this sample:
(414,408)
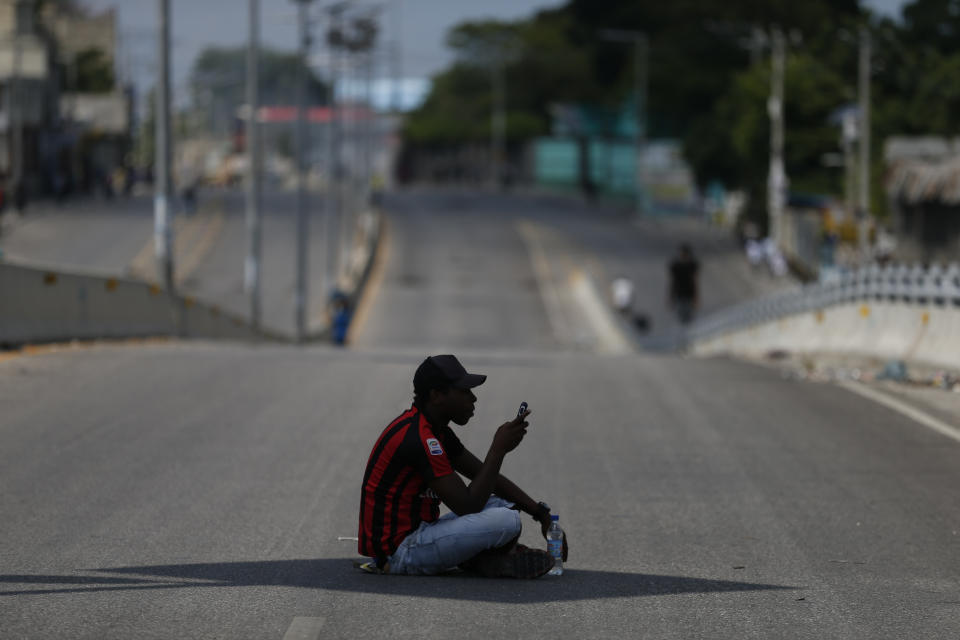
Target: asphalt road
(218,278)
(474,256)
(198,490)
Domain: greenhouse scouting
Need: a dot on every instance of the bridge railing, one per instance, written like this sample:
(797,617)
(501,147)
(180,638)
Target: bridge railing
(913,284)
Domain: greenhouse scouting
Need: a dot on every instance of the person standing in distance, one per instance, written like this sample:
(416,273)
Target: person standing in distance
(416,465)
(683,295)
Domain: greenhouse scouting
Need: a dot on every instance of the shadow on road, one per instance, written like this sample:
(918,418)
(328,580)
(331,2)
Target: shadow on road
(338,574)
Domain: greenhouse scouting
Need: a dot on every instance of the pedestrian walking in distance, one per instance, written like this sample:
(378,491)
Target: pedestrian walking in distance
(683,295)
(417,464)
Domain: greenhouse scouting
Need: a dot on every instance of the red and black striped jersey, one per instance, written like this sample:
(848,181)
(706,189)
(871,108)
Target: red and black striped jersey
(396,499)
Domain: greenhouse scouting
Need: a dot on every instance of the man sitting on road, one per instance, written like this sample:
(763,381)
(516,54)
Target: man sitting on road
(414,467)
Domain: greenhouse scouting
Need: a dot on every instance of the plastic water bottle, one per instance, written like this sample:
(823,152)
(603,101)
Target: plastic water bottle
(555,545)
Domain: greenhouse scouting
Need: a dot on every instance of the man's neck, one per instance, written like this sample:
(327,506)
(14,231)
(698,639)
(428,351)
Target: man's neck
(433,419)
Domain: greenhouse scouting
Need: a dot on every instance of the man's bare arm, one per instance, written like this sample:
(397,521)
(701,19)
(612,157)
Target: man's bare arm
(463,499)
(469,465)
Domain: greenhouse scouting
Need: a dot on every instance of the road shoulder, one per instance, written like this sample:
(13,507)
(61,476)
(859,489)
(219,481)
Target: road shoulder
(928,396)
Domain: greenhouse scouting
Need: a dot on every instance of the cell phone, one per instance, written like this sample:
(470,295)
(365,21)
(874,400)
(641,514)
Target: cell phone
(522,409)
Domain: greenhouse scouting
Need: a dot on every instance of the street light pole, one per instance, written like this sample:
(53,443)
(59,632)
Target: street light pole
(15,122)
(863,209)
(498,122)
(641,63)
(777,176)
(300,295)
(397,98)
(369,123)
(251,272)
(333,218)
(162,232)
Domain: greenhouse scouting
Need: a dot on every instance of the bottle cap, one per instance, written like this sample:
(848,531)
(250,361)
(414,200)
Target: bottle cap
(554,517)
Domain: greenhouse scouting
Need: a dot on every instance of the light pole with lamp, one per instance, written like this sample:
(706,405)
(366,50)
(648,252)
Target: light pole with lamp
(335,174)
(641,53)
(163,232)
(251,272)
(777,181)
(863,91)
(300,287)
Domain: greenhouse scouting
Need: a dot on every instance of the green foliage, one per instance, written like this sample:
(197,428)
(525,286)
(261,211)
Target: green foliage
(540,68)
(92,72)
(709,78)
(457,109)
(483,43)
(934,106)
(932,25)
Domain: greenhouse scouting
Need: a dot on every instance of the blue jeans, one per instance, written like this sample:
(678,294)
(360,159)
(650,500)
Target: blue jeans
(443,544)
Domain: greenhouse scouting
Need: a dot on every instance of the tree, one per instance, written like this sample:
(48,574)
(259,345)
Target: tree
(709,79)
(732,143)
(932,25)
(93,72)
(540,64)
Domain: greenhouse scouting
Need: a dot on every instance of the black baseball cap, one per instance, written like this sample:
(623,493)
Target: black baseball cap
(439,372)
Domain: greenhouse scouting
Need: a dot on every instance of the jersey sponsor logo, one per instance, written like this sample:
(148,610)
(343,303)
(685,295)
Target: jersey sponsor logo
(434,446)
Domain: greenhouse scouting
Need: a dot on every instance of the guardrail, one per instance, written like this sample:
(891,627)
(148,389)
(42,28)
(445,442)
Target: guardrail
(904,311)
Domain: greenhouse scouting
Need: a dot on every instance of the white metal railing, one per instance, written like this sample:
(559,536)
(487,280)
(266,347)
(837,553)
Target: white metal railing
(907,284)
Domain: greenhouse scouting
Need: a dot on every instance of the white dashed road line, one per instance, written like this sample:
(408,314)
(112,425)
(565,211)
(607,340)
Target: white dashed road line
(304,629)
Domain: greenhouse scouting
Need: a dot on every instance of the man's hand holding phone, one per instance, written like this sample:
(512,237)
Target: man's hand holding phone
(510,434)
(522,411)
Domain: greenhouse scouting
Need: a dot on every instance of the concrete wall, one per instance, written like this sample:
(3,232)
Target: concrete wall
(924,334)
(38,304)
(42,305)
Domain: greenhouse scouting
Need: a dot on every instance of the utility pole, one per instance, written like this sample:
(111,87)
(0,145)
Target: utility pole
(863,208)
(777,176)
(300,295)
(162,229)
(332,215)
(346,155)
(331,151)
(849,139)
(641,63)
(397,99)
(251,272)
(334,218)
(15,122)
(498,122)
(370,126)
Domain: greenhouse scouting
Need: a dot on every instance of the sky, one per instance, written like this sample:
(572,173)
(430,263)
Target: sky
(198,24)
(417,54)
